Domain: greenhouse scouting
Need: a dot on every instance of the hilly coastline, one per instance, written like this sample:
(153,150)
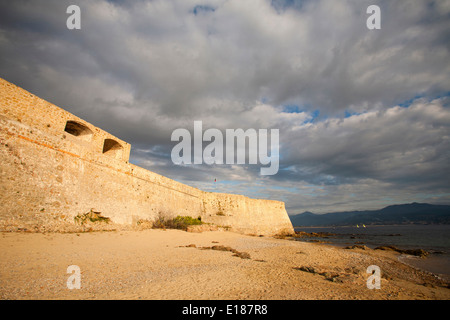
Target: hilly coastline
(413,213)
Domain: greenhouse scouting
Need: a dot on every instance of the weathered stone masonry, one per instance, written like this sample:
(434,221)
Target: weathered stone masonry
(55,166)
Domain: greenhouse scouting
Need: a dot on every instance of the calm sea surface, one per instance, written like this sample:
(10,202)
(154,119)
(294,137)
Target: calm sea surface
(432,238)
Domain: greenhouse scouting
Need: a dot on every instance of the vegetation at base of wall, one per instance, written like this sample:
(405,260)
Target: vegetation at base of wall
(180,222)
(91,216)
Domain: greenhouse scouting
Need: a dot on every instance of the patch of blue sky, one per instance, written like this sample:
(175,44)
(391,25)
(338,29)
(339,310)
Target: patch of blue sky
(256,190)
(443,95)
(407,103)
(281,5)
(348,114)
(292,168)
(202,9)
(287,189)
(228,182)
(314,115)
(326,180)
(264,100)
(292,108)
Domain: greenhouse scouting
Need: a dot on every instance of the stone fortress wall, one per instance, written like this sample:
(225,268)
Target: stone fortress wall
(54,166)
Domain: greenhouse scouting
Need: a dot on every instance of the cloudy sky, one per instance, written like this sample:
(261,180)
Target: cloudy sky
(363,115)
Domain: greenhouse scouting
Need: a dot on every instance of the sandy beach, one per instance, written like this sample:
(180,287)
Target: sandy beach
(173,264)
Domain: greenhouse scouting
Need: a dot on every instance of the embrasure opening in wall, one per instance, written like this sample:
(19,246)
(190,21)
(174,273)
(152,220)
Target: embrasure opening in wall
(79,130)
(112,148)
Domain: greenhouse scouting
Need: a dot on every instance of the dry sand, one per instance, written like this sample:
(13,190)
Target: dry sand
(164,264)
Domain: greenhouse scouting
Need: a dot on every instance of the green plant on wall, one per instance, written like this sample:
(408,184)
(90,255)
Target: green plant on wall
(91,216)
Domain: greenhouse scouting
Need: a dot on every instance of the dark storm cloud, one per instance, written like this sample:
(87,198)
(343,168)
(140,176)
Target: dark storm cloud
(140,69)
(398,145)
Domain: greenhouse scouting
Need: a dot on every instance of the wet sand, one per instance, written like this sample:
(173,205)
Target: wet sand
(178,265)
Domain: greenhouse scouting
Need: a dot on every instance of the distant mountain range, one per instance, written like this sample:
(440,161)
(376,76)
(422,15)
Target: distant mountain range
(416,213)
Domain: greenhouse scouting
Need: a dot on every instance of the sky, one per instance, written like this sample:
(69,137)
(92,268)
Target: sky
(363,115)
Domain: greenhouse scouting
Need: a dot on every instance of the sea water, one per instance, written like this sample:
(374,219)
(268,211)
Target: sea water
(432,238)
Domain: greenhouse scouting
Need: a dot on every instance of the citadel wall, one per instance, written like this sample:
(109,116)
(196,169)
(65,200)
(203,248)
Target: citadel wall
(54,166)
